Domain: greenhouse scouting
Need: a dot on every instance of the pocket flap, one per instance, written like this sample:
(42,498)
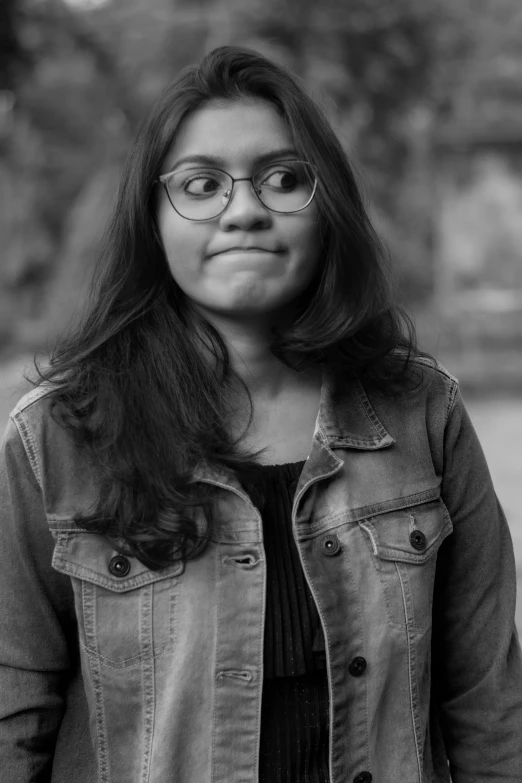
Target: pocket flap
(410,535)
(88,556)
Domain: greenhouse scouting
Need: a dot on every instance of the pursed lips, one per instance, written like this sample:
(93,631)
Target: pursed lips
(251,249)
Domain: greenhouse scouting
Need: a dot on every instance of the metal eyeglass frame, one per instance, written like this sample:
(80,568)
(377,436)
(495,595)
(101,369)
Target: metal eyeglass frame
(163,178)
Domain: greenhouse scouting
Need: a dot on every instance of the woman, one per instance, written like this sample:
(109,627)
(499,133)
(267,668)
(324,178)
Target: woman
(248,532)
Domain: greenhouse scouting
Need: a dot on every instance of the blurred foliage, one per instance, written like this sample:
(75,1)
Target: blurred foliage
(12,54)
(76,77)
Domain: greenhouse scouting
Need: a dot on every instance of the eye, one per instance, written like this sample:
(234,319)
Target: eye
(280,179)
(201,185)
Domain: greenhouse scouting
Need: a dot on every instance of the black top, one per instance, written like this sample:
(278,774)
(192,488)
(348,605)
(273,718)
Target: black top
(294,715)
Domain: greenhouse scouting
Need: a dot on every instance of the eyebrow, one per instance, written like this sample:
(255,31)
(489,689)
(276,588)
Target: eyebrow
(209,160)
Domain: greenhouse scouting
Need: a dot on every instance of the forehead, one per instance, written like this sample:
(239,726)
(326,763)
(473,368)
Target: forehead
(235,133)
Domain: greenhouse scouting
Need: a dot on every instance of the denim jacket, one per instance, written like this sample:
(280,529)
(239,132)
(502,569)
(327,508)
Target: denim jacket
(114,673)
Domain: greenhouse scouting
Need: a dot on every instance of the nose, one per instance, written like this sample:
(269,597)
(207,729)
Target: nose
(244,210)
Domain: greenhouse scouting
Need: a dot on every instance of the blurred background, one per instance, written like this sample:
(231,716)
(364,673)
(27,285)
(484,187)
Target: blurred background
(426,97)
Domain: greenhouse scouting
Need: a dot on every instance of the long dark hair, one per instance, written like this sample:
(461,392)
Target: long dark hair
(131,381)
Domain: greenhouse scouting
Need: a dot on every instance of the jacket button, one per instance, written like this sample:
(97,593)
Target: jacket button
(363,777)
(119,565)
(357,666)
(418,540)
(330,545)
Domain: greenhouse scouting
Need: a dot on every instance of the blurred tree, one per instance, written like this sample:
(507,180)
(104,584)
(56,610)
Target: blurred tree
(13,57)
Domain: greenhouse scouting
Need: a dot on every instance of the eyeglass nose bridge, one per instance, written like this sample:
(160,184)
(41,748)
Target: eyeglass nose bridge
(227,195)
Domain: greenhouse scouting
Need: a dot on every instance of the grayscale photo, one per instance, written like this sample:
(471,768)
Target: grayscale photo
(260,391)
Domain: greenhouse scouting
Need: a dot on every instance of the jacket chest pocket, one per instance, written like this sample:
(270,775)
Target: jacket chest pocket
(125,611)
(404,545)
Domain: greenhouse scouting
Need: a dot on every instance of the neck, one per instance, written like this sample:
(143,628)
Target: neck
(266,377)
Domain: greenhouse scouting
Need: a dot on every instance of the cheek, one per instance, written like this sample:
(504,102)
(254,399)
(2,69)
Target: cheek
(184,248)
(307,243)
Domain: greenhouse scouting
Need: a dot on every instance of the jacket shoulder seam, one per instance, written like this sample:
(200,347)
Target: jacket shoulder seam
(19,418)
(453,382)
(436,365)
(29,445)
(30,398)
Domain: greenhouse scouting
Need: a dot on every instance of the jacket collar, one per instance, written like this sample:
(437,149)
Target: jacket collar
(345,419)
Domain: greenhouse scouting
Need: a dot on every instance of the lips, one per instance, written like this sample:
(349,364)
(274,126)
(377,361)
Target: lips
(250,248)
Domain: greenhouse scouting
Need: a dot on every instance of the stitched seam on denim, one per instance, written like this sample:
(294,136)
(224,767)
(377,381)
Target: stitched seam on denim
(219,598)
(326,637)
(409,501)
(92,651)
(58,528)
(415,710)
(384,585)
(311,483)
(404,602)
(144,619)
(126,663)
(61,520)
(410,674)
(73,569)
(370,413)
(261,670)
(98,695)
(349,442)
(322,435)
(30,397)
(369,529)
(29,446)
(101,729)
(451,403)
(429,563)
(434,366)
(89,616)
(148,718)
(407,592)
(454,383)
(400,556)
(147,640)
(361,625)
(172,609)
(364,513)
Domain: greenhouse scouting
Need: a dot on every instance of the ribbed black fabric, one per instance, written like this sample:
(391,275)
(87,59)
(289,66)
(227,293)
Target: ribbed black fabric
(294,715)
(294,730)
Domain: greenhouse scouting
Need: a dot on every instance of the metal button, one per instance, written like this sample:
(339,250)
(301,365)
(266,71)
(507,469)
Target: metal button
(418,540)
(330,545)
(363,777)
(357,666)
(119,565)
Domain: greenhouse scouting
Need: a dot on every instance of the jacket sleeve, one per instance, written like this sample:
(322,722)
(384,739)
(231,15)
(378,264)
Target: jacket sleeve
(35,608)
(476,652)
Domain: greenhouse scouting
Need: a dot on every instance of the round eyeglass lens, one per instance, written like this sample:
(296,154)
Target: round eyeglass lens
(202,193)
(285,187)
(199,194)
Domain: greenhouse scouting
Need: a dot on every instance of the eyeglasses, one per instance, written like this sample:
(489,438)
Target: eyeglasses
(204,193)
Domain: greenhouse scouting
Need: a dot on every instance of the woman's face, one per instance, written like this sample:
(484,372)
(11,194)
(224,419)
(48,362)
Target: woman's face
(214,262)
